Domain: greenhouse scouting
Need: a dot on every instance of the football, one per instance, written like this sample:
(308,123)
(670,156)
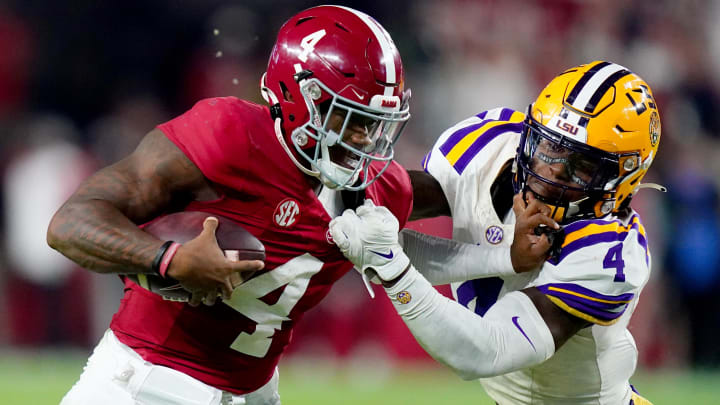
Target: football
(181,227)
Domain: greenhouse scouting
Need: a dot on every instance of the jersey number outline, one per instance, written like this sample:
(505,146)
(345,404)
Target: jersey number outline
(613,260)
(308,44)
(295,276)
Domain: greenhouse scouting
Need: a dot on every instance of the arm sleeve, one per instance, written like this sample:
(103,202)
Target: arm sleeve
(511,336)
(443,261)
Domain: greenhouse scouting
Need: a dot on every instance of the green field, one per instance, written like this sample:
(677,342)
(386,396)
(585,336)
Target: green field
(42,378)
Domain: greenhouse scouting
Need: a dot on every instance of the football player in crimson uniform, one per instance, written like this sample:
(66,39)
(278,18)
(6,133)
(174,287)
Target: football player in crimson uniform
(557,333)
(337,104)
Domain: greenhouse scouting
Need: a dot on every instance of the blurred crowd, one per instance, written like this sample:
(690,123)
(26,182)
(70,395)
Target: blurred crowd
(80,86)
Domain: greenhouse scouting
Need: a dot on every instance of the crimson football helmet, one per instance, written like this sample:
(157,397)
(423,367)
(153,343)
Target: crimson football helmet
(332,60)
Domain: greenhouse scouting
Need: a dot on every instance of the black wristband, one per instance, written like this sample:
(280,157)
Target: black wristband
(155,267)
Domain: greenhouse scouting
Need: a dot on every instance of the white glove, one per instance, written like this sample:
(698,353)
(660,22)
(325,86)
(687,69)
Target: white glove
(369,239)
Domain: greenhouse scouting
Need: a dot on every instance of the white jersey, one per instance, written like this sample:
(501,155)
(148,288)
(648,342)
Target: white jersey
(598,275)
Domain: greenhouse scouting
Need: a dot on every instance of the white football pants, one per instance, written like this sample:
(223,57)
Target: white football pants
(116,375)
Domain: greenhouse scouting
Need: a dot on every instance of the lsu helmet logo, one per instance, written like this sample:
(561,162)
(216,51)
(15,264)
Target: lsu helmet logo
(568,127)
(654,128)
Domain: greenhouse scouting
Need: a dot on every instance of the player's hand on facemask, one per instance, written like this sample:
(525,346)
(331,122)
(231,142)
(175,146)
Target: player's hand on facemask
(528,250)
(368,237)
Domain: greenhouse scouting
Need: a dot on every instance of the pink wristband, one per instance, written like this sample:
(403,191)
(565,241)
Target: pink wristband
(167,257)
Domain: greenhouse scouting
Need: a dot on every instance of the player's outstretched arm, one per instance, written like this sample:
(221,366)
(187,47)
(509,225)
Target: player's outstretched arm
(519,331)
(443,261)
(97,225)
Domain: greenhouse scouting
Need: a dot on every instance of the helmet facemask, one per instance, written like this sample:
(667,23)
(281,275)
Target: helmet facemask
(334,158)
(574,179)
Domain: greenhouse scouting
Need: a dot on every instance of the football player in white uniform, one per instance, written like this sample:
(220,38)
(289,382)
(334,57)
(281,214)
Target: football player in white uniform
(556,334)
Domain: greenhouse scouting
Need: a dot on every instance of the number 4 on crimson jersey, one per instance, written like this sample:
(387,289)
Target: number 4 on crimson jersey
(235,345)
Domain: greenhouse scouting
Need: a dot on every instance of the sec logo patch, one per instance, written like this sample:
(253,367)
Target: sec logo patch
(286,213)
(494,234)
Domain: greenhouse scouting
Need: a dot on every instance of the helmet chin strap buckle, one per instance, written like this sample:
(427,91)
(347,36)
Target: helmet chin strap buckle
(275,112)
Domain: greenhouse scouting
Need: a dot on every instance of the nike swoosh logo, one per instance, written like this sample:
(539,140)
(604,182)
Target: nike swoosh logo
(360,96)
(515,322)
(385,255)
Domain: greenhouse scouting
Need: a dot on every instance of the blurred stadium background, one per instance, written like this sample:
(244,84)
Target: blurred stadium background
(80,83)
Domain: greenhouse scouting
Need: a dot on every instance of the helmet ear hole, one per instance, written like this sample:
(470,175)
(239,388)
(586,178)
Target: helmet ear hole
(286,93)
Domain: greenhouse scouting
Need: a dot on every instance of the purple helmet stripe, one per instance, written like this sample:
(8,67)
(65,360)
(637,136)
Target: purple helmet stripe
(583,80)
(603,88)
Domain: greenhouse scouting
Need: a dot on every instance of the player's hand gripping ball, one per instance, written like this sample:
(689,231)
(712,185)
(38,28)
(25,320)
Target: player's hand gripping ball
(181,227)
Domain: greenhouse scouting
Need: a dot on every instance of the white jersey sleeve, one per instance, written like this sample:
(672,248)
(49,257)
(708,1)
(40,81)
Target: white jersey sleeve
(465,161)
(601,268)
(469,149)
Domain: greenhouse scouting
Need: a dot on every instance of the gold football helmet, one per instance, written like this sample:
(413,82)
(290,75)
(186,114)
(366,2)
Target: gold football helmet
(588,140)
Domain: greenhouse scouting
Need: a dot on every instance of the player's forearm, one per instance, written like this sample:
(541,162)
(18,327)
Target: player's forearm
(97,236)
(511,336)
(443,261)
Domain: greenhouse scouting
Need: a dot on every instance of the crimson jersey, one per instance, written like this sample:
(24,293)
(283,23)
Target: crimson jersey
(235,345)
